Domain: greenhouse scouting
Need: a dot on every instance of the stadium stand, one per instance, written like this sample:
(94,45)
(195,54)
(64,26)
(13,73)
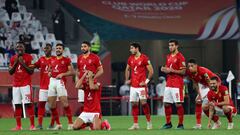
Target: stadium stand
(22,25)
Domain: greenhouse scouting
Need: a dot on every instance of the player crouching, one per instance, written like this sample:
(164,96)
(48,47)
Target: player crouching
(92,104)
(219,101)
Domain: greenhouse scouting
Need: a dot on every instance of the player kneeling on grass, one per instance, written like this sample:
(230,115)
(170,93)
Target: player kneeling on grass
(92,107)
(219,101)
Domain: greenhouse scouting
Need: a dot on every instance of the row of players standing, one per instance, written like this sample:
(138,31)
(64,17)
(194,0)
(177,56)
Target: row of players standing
(53,73)
(212,95)
(90,68)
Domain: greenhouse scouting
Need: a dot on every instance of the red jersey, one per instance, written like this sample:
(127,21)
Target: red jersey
(21,77)
(202,76)
(219,95)
(176,62)
(92,99)
(138,68)
(59,65)
(91,62)
(43,64)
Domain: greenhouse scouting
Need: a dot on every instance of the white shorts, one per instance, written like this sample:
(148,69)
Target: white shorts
(203,91)
(173,95)
(88,117)
(43,95)
(80,95)
(56,88)
(219,111)
(137,93)
(22,94)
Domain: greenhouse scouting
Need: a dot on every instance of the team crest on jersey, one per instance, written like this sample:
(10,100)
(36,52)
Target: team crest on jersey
(62,62)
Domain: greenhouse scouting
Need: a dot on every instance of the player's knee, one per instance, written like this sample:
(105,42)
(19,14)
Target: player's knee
(226,109)
(211,107)
(143,102)
(167,104)
(65,104)
(134,103)
(178,104)
(198,102)
(205,107)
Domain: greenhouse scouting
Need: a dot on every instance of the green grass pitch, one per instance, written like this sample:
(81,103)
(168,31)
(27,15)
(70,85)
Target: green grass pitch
(120,124)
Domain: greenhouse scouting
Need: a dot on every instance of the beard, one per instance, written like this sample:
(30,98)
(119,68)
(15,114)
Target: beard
(85,52)
(214,88)
(132,52)
(173,51)
(58,53)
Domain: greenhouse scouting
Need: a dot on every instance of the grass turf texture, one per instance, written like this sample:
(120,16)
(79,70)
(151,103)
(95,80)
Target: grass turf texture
(120,125)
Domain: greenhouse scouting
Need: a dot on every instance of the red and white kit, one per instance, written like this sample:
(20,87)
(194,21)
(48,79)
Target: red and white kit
(138,68)
(57,86)
(174,89)
(22,89)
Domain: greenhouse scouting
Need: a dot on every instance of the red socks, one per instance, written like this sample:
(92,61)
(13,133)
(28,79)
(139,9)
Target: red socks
(69,114)
(180,112)
(146,111)
(198,113)
(168,113)
(214,118)
(55,116)
(18,114)
(30,110)
(41,111)
(229,116)
(135,113)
